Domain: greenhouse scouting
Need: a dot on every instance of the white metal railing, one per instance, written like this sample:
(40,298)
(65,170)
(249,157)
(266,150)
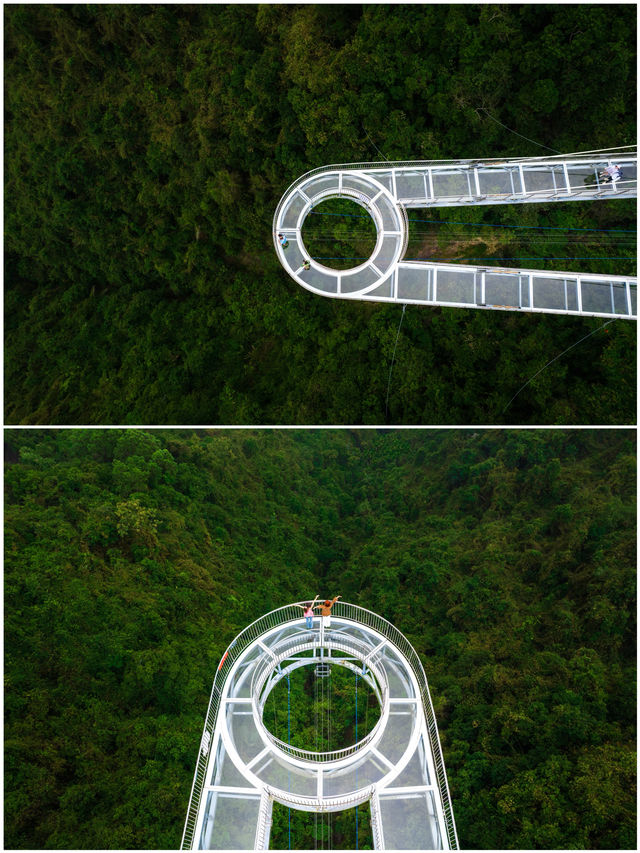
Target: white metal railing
(594,159)
(578,157)
(288,613)
(280,617)
(382,626)
(349,645)
(344,802)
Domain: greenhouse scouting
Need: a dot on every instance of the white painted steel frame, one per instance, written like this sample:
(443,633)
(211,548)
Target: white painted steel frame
(382,636)
(374,186)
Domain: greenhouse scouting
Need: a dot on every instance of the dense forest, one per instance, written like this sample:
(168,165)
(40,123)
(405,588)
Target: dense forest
(146,147)
(133,558)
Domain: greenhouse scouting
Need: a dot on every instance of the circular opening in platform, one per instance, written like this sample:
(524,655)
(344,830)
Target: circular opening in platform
(339,233)
(319,715)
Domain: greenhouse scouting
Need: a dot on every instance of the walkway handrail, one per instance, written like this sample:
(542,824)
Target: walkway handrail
(280,617)
(607,154)
(288,613)
(301,801)
(382,626)
(345,645)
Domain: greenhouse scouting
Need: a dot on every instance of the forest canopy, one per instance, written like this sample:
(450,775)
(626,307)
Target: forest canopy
(146,148)
(133,558)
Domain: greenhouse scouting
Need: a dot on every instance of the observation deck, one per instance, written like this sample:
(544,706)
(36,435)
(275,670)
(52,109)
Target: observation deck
(387,190)
(243,768)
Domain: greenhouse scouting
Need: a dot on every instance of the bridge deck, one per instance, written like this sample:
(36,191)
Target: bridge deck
(387,191)
(397,767)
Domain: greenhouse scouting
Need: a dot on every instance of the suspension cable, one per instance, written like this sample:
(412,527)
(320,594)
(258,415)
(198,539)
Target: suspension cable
(386,405)
(555,359)
(539,144)
(485,224)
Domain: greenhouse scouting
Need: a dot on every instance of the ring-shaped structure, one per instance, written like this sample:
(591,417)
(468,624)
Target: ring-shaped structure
(265,679)
(243,768)
(391,228)
(387,190)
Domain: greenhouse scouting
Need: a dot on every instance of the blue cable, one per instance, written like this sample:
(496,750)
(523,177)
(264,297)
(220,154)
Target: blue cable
(490,224)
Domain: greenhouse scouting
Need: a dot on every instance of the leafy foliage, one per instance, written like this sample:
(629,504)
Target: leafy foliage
(147,147)
(134,558)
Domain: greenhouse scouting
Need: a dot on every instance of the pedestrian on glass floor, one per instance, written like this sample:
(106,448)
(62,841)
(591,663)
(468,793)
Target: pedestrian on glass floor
(611,174)
(283,241)
(306,265)
(307,610)
(325,611)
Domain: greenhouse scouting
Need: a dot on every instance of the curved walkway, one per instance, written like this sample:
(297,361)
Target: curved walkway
(242,768)
(386,191)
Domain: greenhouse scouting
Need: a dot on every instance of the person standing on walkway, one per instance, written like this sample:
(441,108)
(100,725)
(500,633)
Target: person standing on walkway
(307,610)
(325,611)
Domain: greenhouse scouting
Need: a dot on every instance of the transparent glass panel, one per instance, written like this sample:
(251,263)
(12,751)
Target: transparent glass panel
(450,184)
(383,178)
(416,771)
(456,286)
(539,179)
(293,253)
(291,631)
(241,682)
(289,216)
(390,216)
(493,181)
(596,296)
(321,184)
(410,185)
(620,298)
(524,291)
(571,288)
(351,181)
(415,283)
(580,177)
(386,252)
(356,281)
(353,778)
(633,292)
(225,772)
(230,823)
(328,282)
(274,772)
(360,634)
(397,733)
(399,682)
(410,822)
(243,732)
(549,293)
(502,289)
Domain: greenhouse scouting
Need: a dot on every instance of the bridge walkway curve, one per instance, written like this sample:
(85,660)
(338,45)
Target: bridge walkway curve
(387,191)
(243,768)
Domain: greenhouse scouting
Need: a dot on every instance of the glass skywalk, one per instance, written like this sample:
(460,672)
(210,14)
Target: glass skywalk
(386,191)
(243,768)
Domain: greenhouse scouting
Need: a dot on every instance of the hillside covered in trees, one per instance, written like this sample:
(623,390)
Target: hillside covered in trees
(146,148)
(133,558)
